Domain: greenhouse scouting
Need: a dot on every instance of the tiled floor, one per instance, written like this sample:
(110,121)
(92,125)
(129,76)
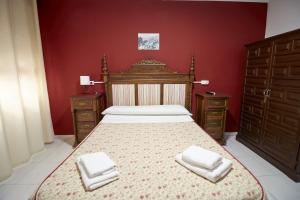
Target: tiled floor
(277,184)
(26,178)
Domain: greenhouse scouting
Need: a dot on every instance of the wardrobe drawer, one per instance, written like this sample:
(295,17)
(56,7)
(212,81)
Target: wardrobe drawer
(216,103)
(82,116)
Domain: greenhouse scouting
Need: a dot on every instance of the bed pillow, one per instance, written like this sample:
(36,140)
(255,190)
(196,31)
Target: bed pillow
(147,110)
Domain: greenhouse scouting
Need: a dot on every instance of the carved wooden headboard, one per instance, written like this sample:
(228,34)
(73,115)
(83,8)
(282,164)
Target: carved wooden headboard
(148,82)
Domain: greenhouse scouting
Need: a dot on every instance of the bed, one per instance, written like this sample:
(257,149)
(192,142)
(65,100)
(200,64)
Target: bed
(144,145)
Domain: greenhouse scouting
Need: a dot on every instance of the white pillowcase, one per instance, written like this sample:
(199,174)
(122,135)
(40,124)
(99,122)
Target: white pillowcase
(147,110)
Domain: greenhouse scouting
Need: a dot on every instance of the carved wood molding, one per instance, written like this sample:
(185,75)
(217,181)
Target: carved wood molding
(149,62)
(149,66)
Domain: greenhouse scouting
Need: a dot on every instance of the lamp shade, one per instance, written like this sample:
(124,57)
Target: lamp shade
(84,80)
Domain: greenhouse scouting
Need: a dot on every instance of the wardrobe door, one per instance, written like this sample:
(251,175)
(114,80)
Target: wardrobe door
(257,70)
(282,117)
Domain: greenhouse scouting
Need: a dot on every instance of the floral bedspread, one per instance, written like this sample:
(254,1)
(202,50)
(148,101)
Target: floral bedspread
(145,157)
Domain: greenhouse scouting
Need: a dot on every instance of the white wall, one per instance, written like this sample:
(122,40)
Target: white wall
(282,16)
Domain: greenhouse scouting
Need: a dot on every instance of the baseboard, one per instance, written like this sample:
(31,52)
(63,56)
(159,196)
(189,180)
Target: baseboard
(63,134)
(230,133)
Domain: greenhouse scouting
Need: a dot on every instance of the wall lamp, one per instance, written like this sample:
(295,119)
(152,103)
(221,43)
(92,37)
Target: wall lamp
(85,80)
(202,82)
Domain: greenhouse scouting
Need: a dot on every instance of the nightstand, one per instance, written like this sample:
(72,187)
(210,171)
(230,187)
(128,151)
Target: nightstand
(211,114)
(86,112)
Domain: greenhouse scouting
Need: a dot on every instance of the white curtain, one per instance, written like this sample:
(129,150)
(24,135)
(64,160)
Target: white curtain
(25,121)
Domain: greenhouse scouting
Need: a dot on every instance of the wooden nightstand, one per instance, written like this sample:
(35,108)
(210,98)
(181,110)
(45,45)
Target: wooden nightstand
(211,114)
(86,112)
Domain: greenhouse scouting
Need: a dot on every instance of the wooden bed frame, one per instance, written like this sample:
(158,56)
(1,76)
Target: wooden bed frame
(148,71)
(145,71)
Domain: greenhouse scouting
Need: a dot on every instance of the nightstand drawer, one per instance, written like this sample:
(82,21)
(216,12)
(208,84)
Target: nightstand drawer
(83,127)
(82,103)
(214,123)
(215,132)
(81,136)
(83,116)
(215,114)
(216,103)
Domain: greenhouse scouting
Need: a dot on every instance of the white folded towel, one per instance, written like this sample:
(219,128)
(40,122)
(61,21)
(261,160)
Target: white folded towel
(98,181)
(96,164)
(200,157)
(212,175)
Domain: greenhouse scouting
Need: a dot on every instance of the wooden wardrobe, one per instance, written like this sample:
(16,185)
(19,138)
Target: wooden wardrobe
(270,116)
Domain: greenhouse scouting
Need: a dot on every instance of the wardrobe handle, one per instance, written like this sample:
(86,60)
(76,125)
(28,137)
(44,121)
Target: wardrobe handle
(265,99)
(265,92)
(269,92)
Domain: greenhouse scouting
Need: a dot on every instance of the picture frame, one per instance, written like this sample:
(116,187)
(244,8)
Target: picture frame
(148,41)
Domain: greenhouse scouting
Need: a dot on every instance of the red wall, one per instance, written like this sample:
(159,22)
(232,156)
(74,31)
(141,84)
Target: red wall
(76,33)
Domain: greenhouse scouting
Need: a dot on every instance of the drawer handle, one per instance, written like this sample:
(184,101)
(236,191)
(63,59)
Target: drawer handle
(82,103)
(218,102)
(214,123)
(86,126)
(84,114)
(215,113)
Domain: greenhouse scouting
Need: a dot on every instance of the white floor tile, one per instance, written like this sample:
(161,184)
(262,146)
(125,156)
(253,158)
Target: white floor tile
(17,192)
(59,154)
(259,168)
(2,191)
(20,172)
(40,156)
(271,196)
(277,185)
(37,174)
(56,142)
(280,187)
(237,151)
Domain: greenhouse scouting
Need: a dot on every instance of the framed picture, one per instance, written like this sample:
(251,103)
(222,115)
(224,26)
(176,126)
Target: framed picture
(148,41)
